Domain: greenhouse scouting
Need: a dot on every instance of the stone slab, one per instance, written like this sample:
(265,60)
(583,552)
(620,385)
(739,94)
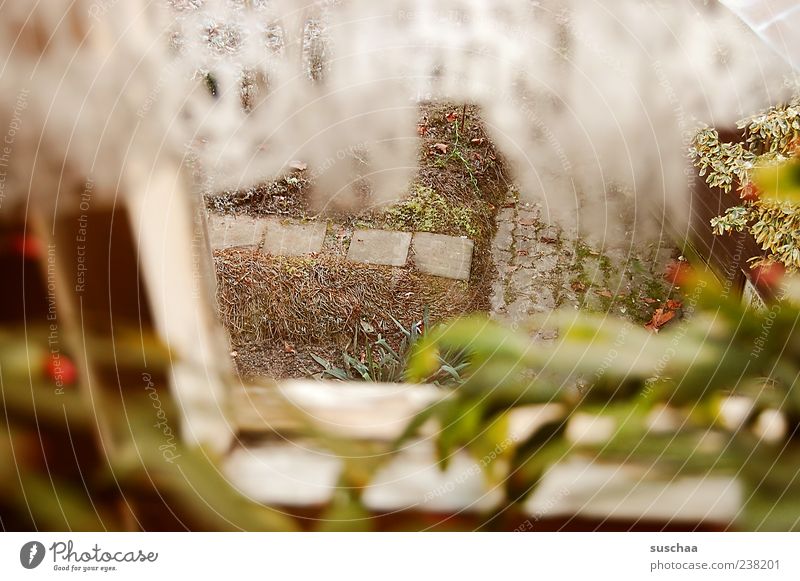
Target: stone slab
(445,256)
(504,239)
(228,231)
(386,247)
(628,492)
(293,238)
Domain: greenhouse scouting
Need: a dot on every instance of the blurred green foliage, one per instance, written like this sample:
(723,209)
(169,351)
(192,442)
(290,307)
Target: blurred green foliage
(58,473)
(609,368)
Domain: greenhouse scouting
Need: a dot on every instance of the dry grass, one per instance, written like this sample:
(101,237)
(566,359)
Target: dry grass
(308,300)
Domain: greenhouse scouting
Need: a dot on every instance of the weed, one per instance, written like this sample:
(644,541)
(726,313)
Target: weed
(377,361)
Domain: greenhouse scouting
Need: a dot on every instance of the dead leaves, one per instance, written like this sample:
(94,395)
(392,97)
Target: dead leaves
(578,286)
(663,315)
(440,147)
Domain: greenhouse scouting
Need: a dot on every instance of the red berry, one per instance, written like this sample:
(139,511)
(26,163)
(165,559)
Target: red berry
(27,245)
(60,369)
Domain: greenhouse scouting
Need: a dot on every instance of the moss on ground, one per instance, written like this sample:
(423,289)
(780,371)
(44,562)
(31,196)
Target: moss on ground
(425,210)
(644,290)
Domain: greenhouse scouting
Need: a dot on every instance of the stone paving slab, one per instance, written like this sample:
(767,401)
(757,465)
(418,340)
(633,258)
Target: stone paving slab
(542,267)
(228,231)
(445,256)
(435,254)
(293,239)
(386,247)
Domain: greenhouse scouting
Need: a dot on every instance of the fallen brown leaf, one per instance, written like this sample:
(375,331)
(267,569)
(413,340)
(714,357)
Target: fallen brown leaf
(677,272)
(605,293)
(660,318)
(578,286)
(441,147)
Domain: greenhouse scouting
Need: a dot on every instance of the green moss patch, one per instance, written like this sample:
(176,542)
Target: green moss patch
(425,210)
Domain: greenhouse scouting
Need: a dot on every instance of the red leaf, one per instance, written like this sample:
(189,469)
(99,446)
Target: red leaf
(578,286)
(677,272)
(768,275)
(674,305)
(422,130)
(288,347)
(451,117)
(660,318)
(749,192)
